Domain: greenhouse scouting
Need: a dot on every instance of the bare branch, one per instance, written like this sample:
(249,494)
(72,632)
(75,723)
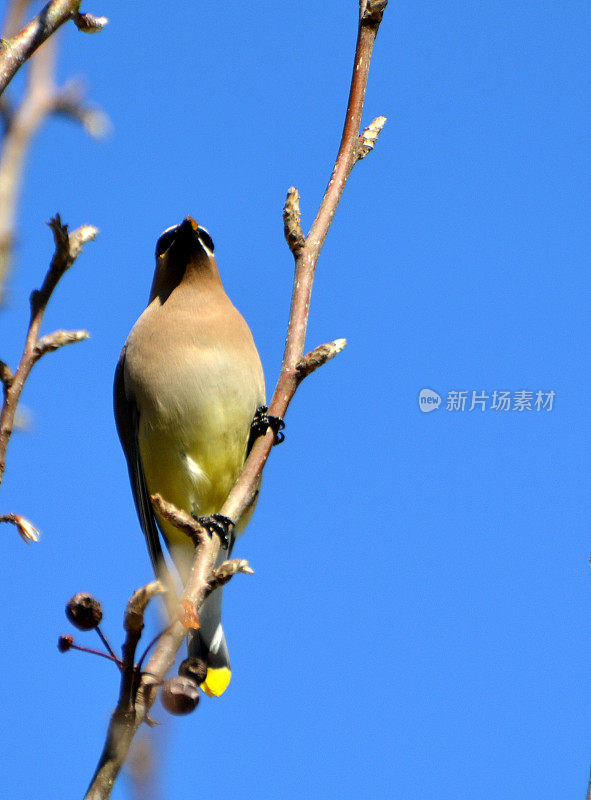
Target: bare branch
(306,257)
(41,98)
(18,48)
(134,624)
(180,519)
(22,122)
(67,248)
(69,102)
(27,531)
(125,720)
(138,602)
(94,121)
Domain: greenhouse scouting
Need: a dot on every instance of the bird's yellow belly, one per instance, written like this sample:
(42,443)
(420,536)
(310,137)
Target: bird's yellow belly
(193,471)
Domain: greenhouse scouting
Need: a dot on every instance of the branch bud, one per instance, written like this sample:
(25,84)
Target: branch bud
(88,23)
(292,227)
(26,530)
(369,137)
(53,341)
(319,356)
(6,376)
(372,11)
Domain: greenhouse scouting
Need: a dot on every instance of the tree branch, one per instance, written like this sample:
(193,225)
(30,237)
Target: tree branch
(68,247)
(134,625)
(41,98)
(125,720)
(294,368)
(18,48)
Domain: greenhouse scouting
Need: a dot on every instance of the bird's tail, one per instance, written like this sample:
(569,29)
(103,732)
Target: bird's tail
(209,642)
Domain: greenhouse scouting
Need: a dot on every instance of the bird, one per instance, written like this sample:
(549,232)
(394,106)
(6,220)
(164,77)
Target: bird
(189,400)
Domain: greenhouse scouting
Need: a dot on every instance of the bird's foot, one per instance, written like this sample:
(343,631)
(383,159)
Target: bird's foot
(217,523)
(263,421)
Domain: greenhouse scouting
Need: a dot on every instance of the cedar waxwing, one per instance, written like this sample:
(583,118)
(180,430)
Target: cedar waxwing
(188,385)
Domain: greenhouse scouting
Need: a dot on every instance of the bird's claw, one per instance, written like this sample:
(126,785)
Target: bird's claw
(217,523)
(261,423)
(277,425)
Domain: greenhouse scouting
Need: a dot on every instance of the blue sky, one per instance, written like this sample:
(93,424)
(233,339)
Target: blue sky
(418,624)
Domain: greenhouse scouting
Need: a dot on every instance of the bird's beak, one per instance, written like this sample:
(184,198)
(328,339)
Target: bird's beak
(190,224)
(188,230)
(186,242)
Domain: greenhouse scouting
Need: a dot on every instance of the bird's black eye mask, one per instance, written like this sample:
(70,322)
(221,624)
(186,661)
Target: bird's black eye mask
(205,238)
(166,240)
(169,236)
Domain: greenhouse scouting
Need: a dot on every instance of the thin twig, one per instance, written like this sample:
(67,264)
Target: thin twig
(125,721)
(69,103)
(181,520)
(68,247)
(41,98)
(149,646)
(23,121)
(106,642)
(14,51)
(294,368)
(134,625)
(93,651)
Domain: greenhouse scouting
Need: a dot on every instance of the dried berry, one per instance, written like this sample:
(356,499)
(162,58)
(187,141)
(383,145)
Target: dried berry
(64,643)
(84,611)
(194,668)
(180,695)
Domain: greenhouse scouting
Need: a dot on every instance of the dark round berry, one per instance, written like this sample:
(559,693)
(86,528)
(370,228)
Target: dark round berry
(180,695)
(84,611)
(64,643)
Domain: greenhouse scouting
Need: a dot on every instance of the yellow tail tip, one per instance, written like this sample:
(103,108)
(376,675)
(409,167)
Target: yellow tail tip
(216,681)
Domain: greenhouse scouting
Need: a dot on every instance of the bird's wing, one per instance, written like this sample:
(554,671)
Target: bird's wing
(127,420)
